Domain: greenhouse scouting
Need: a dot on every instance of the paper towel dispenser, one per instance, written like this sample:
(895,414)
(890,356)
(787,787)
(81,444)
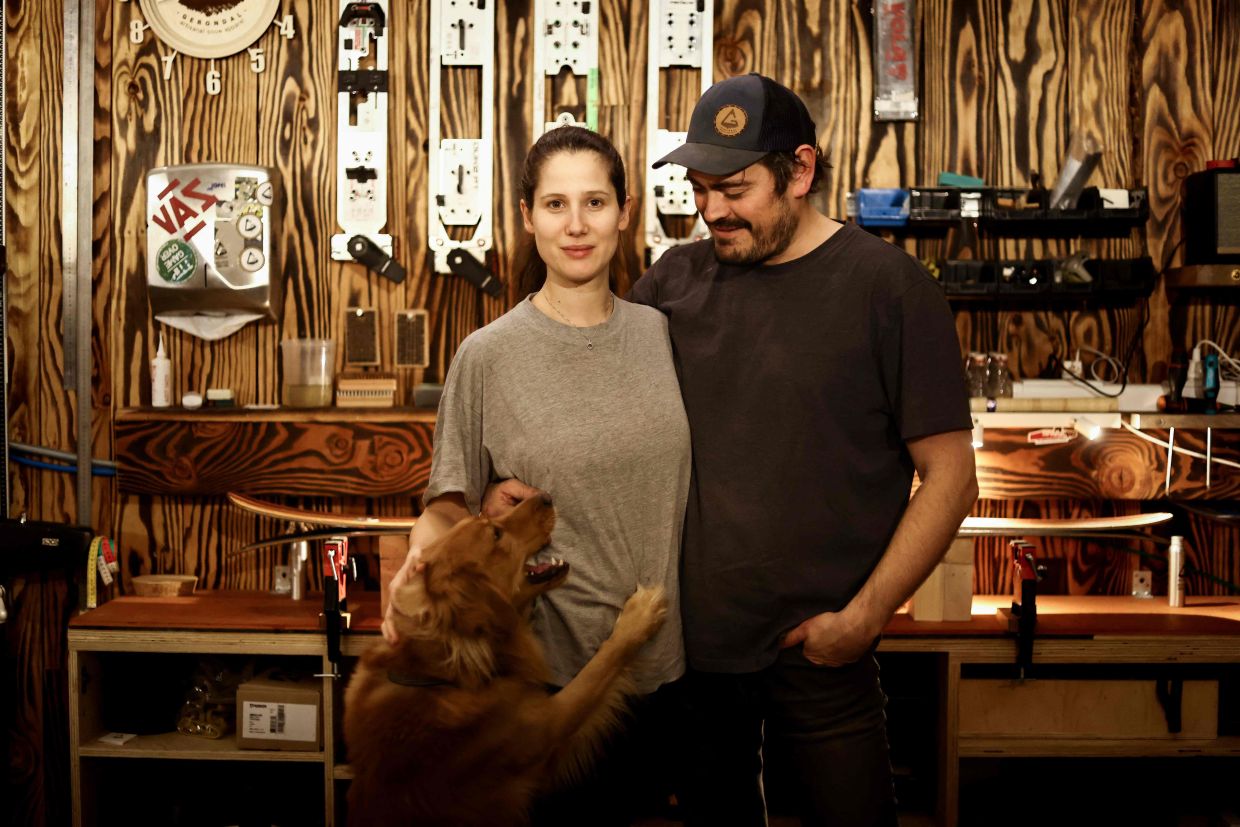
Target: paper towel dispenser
(210,246)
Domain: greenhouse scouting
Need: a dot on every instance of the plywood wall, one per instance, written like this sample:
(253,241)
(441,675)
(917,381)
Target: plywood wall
(1003,87)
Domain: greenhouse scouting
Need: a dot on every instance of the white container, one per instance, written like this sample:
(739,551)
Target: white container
(1175,573)
(161,377)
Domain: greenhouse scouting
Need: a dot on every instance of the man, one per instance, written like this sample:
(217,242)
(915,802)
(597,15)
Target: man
(819,367)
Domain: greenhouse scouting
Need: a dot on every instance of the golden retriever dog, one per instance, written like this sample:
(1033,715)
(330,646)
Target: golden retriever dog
(454,725)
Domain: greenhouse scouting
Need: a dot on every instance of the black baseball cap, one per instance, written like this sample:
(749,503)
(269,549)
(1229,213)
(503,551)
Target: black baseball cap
(737,122)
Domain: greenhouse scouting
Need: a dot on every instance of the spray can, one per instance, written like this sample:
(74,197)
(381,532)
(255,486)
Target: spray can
(161,377)
(1175,573)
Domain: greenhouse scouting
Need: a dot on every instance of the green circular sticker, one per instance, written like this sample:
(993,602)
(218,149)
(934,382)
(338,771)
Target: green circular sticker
(176,261)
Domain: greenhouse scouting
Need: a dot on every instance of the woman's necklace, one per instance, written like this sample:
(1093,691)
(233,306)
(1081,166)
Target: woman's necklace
(554,305)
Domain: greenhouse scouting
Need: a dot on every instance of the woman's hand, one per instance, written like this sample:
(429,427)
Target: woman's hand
(399,579)
(502,497)
(437,519)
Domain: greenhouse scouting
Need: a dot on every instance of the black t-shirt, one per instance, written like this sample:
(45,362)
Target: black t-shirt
(802,381)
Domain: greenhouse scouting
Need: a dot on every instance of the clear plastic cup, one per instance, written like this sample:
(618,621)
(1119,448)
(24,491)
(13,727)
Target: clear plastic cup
(309,365)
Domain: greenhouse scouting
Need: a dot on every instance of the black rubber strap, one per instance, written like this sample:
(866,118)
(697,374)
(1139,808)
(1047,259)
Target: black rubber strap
(468,268)
(368,253)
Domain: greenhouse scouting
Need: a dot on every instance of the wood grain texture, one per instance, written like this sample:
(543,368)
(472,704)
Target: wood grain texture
(296,458)
(1118,466)
(1003,87)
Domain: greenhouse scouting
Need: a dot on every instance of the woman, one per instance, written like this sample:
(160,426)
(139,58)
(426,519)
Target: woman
(573,391)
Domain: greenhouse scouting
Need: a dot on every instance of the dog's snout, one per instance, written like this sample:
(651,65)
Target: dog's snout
(546,498)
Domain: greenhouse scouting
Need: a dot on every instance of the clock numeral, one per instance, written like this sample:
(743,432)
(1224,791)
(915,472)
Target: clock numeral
(258,59)
(167,61)
(136,28)
(286,27)
(213,80)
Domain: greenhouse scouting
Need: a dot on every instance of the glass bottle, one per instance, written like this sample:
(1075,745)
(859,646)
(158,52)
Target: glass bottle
(998,377)
(975,375)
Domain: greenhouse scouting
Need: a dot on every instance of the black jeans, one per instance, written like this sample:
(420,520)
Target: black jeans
(633,776)
(829,721)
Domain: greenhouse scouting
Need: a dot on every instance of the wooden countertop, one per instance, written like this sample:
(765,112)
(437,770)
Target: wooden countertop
(1058,615)
(1087,616)
(225,610)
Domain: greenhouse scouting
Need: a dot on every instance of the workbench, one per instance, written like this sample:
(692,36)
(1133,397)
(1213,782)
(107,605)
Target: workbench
(1091,692)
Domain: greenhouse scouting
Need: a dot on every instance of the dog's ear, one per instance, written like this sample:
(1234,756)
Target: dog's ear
(469,602)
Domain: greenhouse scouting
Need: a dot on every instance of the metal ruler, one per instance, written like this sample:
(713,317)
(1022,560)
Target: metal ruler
(461,169)
(565,36)
(362,138)
(681,34)
(77,190)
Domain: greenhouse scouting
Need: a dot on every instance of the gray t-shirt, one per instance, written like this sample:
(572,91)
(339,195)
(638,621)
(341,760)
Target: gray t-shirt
(603,431)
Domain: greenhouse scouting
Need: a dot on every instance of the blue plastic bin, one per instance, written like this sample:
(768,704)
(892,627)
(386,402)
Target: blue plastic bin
(882,207)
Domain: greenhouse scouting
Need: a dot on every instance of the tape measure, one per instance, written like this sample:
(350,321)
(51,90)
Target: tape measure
(101,564)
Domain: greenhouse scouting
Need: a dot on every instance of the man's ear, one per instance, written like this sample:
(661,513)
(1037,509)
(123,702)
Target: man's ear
(803,179)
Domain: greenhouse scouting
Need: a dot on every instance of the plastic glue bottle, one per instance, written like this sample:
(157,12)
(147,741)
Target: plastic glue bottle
(161,377)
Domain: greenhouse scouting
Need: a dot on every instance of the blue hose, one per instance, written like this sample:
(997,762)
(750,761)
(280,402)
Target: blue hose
(95,470)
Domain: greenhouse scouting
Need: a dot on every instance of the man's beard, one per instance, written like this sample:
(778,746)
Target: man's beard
(765,242)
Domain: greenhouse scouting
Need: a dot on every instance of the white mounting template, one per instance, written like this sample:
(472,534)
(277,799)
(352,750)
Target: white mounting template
(565,34)
(681,34)
(461,169)
(362,137)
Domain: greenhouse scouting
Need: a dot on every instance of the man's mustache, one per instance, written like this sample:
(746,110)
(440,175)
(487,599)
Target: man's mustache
(730,224)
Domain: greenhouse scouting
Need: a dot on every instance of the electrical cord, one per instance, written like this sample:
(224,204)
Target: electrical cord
(1118,368)
(1123,367)
(1188,567)
(1126,363)
(1233,367)
(1160,443)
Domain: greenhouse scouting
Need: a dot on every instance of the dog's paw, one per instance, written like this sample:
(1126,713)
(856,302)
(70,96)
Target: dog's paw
(642,615)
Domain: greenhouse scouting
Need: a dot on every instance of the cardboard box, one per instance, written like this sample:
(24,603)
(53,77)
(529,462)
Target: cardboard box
(276,714)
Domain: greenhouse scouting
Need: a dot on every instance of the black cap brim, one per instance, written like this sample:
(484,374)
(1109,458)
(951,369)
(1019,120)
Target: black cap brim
(711,159)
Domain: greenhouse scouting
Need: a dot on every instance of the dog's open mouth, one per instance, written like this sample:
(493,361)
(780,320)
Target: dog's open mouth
(545,571)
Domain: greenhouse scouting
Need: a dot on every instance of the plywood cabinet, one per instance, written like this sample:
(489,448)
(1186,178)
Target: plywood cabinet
(119,654)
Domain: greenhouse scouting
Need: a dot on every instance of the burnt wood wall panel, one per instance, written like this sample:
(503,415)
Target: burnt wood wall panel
(1003,87)
(1118,465)
(40,410)
(170,458)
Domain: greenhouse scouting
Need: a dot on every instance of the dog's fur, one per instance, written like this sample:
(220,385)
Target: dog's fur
(478,735)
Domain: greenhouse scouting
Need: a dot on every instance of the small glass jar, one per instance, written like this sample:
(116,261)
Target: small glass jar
(998,377)
(975,374)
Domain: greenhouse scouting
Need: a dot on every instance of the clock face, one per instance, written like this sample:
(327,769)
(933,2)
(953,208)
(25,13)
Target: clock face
(209,28)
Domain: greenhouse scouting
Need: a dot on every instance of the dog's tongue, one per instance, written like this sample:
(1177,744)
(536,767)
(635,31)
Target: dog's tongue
(539,569)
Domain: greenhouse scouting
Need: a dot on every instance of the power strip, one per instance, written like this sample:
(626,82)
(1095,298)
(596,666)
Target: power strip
(1229,392)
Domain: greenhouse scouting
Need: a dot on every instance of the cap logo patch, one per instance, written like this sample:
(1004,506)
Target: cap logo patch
(730,121)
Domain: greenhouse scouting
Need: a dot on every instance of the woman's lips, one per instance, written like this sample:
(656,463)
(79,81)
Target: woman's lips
(578,251)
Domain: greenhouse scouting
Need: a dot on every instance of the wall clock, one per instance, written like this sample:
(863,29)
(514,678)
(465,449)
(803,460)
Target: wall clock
(211,30)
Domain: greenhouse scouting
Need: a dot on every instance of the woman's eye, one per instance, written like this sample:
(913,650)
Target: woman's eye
(596,202)
(554,204)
